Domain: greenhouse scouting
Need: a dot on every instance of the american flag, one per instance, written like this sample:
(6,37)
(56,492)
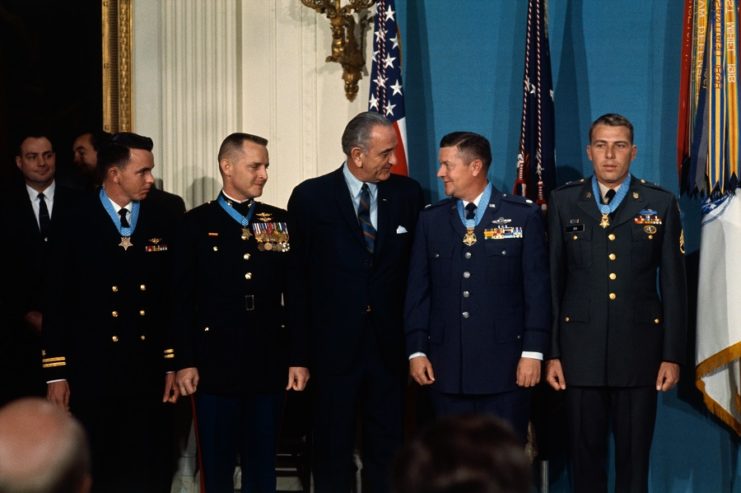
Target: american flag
(386,90)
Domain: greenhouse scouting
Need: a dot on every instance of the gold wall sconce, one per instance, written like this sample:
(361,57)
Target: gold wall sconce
(346,47)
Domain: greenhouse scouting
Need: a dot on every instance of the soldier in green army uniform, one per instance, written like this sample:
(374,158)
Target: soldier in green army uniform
(619,306)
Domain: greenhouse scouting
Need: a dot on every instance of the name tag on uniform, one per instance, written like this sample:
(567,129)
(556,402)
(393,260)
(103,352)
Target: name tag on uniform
(574,228)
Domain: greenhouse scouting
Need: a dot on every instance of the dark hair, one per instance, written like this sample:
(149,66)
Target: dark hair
(112,154)
(33,134)
(98,138)
(612,120)
(463,454)
(474,145)
(357,131)
(133,141)
(234,142)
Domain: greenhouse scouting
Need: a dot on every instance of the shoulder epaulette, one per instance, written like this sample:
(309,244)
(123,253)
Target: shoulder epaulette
(517,199)
(572,183)
(652,185)
(446,200)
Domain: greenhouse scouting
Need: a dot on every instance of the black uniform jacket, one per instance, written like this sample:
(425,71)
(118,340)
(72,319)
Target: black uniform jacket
(619,293)
(338,288)
(229,319)
(106,320)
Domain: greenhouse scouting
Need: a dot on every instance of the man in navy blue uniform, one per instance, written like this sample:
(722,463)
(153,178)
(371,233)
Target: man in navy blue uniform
(477,317)
(619,299)
(233,349)
(105,349)
(352,239)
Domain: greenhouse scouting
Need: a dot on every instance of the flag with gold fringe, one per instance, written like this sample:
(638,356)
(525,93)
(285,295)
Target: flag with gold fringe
(536,168)
(708,164)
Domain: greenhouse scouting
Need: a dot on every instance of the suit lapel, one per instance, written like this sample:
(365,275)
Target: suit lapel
(455,220)
(384,203)
(586,201)
(492,209)
(345,205)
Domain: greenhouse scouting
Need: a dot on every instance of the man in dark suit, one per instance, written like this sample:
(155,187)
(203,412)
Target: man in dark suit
(351,238)
(232,344)
(36,211)
(477,314)
(619,301)
(104,337)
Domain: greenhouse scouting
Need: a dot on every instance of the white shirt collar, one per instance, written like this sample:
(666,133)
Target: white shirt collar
(48,191)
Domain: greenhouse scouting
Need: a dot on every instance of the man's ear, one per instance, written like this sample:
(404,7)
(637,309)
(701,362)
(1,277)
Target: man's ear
(226,167)
(476,166)
(356,156)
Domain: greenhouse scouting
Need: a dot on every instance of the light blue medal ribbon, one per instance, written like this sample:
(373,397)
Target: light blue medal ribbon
(108,206)
(607,209)
(470,237)
(244,221)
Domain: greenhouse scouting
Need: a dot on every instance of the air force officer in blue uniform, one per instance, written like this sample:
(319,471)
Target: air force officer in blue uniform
(476,315)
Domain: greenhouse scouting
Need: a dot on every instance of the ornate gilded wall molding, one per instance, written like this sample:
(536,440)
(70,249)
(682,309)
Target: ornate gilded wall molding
(117,28)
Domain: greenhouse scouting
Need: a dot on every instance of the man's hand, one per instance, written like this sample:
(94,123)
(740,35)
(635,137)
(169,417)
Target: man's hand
(420,369)
(58,393)
(554,374)
(528,372)
(171,390)
(297,378)
(668,376)
(33,319)
(186,380)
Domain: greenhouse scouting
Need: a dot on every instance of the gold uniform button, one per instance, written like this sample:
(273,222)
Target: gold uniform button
(143,337)
(613,276)
(611,237)
(575,237)
(612,257)
(248,276)
(206,329)
(216,249)
(613,296)
(142,313)
(114,289)
(650,237)
(567,319)
(246,256)
(142,287)
(657,321)
(114,338)
(114,314)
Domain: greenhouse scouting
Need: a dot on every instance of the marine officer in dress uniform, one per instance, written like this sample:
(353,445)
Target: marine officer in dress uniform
(477,319)
(619,301)
(104,334)
(233,348)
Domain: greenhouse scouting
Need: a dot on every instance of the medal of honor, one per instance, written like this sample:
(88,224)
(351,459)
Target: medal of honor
(125,242)
(246,234)
(469,238)
(605,222)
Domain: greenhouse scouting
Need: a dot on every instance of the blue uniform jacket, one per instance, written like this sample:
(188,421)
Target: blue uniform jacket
(473,309)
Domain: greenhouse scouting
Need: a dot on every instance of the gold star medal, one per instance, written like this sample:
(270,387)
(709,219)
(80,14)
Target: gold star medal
(125,242)
(246,234)
(605,222)
(469,238)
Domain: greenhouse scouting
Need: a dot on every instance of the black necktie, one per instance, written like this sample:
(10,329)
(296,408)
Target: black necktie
(44,219)
(609,195)
(471,211)
(369,232)
(122,212)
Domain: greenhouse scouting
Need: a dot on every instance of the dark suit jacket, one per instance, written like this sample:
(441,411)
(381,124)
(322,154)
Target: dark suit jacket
(336,283)
(107,308)
(229,319)
(619,294)
(473,310)
(27,264)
